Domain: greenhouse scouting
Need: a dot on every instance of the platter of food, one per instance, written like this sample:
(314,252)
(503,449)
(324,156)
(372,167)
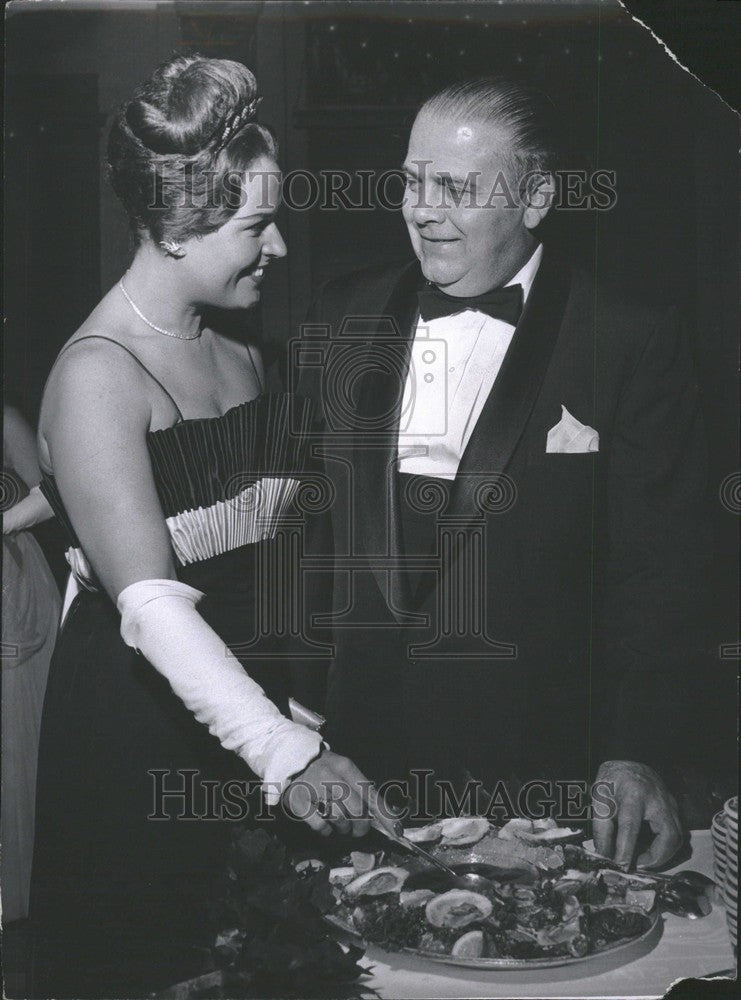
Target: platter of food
(539,899)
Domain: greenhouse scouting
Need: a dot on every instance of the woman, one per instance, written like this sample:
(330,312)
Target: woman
(30,617)
(170,469)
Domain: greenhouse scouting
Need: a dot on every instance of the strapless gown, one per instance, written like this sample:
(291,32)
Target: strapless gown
(118,898)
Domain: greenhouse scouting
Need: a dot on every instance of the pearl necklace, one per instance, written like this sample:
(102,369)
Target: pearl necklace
(159,329)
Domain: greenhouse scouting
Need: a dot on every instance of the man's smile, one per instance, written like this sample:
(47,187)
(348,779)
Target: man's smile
(440,242)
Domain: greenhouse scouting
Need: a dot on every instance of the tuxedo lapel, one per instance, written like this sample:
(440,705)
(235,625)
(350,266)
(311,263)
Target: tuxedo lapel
(510,402)
(385,365)
(494,439)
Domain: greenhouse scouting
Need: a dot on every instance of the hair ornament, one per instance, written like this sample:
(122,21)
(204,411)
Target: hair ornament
(233,122)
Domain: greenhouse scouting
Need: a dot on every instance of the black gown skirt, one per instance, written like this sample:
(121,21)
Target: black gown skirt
(131,829)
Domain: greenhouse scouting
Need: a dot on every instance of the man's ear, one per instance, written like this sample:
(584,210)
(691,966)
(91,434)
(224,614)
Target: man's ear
(538,191)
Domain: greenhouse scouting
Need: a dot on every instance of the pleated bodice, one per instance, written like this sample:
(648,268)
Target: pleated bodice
(223,483)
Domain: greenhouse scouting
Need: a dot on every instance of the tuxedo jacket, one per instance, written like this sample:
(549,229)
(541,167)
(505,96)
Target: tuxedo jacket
(556,624)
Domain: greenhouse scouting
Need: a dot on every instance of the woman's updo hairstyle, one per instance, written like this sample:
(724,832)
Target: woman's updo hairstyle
(178,149)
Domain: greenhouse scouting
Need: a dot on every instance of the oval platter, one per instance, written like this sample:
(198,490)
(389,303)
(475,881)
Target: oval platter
(623,946)
(491,853)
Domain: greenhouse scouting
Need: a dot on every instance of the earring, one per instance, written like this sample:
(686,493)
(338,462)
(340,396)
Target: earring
(172,248)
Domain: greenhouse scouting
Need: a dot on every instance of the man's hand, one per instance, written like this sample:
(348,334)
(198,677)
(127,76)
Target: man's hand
(640,795)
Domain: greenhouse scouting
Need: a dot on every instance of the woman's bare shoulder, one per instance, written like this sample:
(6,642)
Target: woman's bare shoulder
(93,380)
(98,346)
(94,356)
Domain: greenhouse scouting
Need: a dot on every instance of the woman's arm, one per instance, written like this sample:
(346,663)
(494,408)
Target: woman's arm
(19,444)
(31,510)
(98,418)
(95,419)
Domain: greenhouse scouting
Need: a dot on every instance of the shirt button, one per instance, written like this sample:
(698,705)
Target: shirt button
(452,368)
(429,377)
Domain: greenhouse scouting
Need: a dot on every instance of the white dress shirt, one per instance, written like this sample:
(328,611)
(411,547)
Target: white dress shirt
(454,363)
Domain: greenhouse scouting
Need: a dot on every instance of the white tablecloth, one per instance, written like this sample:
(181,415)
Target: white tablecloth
(678,949)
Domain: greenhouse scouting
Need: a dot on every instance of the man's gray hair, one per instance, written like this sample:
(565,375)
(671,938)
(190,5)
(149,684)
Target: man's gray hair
(526,114)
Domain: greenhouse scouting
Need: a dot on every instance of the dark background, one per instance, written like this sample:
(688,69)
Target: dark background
(341,82)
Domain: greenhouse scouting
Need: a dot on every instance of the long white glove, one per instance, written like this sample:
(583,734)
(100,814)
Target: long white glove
(159,618)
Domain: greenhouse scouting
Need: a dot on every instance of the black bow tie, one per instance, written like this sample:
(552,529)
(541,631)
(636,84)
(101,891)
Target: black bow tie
(502,303)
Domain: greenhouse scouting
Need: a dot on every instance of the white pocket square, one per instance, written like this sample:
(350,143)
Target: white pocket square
(570,436)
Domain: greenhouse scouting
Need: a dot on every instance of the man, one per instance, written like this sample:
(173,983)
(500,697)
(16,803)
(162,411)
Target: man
(518,464)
